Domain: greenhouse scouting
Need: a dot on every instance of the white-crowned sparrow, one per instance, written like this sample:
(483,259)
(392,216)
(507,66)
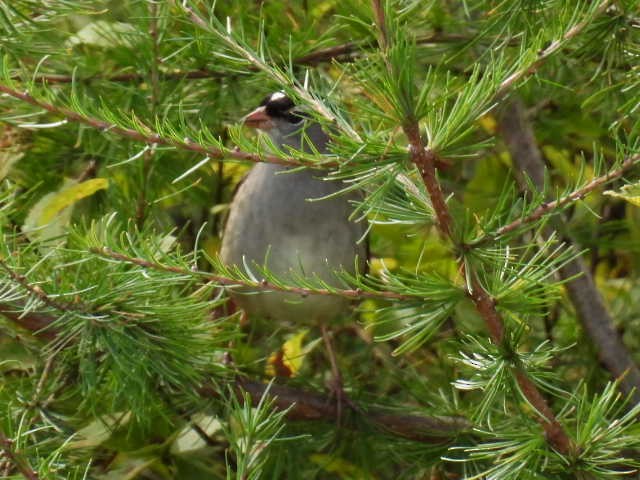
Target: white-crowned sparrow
(272,222)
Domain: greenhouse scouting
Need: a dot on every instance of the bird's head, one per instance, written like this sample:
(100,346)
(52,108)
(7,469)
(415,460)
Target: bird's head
(278,117)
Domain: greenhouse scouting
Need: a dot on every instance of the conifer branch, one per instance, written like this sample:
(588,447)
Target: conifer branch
(35,320)
(576,195)
(37,292)
(21,464)
(424,160)
(302,405)
(484,303)
(378,14)
(552,48)
(152,138)
(148,138)
(135,77)
(261,285)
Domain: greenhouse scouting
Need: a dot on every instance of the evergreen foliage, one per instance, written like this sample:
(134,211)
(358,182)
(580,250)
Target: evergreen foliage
(472,351)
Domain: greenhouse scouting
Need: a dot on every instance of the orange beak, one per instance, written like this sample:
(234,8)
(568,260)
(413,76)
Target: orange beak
(258,119)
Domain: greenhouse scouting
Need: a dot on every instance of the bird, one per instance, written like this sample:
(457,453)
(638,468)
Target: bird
(273,223)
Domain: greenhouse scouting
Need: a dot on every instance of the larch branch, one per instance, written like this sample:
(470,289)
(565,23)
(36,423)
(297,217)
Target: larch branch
(222,280)
(578,194)
(424,160)
(148,138)
(552,48)
(302,405)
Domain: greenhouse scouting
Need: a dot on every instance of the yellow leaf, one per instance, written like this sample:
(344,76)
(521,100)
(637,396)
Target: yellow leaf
(211,246)
(484,188)
(49,217)
(379,265)
(563,162)
(70,195)
(488,124)
(287,361)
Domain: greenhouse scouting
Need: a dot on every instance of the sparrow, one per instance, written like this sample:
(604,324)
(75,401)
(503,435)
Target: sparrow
(274,223)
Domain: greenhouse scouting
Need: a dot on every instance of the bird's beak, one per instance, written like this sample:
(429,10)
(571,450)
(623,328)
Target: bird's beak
(258,119)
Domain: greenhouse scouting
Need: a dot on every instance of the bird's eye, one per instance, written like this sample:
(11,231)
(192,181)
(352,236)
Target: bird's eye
(294,116)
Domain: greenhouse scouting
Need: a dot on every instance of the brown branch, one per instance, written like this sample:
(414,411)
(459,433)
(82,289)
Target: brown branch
(308,406)
(578,194)
(305,405)
(485,305)
(262,285)
(21,464)
(555,432)
(425,160)
(154,138)
(378,14)
(553,47)
(35,321)
(519,137)
(148,138)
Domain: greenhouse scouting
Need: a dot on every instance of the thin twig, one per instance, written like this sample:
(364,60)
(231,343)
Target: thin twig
(152,138)
(43,379)
(58,78)
(378,13)
(578,194)
(20,463)
(262,285)
(37,291)
(33,320)
(484,303)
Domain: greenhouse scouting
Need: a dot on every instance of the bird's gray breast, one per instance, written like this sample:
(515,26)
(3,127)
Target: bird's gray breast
(273,223)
